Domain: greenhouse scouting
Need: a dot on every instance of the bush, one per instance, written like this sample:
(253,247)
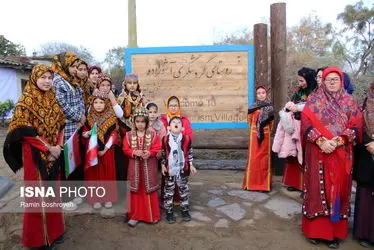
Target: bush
(5,108)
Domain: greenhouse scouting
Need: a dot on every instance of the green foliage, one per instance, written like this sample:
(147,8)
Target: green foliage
(8,48)
(356,46)
(54,48)
(5,108)
(115,59)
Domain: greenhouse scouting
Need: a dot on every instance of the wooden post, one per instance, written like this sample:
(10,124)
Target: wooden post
(278,54)
(278,35)
(132,35)
(261,54)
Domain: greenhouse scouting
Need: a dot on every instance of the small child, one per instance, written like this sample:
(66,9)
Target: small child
(102,114)
(141,145)
(130,98)
(176,166)
(104,88)
(154,121)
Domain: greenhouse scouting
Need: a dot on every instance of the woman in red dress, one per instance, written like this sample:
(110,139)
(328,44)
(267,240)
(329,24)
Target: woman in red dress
(330,122)
(257,175)
(141,145)
(34,141)
(293,176)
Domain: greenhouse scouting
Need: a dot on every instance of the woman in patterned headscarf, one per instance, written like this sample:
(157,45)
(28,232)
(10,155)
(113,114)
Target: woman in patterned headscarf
(70,97)
(101,116)
(364,175)
(331,123)
(68,93)
(257,175)
(34,141)
(83,81)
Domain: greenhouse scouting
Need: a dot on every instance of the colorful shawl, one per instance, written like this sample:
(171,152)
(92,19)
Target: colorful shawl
(265,117)
(332,114)
(61,64)
(106,121)
(37,113)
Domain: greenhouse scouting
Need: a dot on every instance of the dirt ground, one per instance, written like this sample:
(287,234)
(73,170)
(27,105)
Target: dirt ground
(259,227)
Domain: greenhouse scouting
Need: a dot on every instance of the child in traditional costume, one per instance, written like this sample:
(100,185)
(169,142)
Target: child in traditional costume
(34,142)
(176,167)
(258,175)
(141,145)
(102,114)
(130,99)
(104,86)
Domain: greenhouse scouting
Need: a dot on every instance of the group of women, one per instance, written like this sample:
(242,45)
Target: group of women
(323,134)
(68,98)
(327,140)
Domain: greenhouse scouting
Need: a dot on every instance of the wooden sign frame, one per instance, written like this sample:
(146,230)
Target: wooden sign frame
(130,52)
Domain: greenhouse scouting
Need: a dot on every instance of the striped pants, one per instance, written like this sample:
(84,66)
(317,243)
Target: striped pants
(169,190)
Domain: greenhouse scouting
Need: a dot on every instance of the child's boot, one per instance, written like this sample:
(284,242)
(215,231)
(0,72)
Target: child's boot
(186,215)
(170,217)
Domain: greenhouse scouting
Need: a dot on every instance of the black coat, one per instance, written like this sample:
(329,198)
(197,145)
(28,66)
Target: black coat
(364,165)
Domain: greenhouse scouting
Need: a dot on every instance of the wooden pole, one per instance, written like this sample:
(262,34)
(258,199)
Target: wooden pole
(132,35)
(278,54)
(278,33)
(261,54)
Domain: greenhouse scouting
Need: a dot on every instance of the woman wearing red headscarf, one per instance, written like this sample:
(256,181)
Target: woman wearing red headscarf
(330,122)
(260,122)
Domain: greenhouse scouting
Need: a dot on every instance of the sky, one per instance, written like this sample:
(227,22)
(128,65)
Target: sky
(102,25)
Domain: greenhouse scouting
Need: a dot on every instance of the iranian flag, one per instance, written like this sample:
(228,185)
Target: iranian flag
(93,148)
(72,154)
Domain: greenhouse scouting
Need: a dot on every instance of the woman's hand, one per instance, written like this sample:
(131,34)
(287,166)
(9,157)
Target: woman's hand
(370,147)
(55,151)
(51,158)
(291,106)
(328,146)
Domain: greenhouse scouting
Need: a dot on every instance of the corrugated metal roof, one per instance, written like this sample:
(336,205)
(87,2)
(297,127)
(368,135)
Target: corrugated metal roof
(15,64)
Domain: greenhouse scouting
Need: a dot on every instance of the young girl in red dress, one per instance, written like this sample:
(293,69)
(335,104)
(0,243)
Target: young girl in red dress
(102,114)
(260,122)
(141,145)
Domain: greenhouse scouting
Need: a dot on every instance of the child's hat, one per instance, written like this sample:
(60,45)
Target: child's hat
(140,111)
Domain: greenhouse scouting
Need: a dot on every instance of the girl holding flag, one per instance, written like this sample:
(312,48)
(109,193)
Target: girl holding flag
(101,129)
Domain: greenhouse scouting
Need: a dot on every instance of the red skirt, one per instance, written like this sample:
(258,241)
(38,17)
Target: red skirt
(39,228)
(143,206)
(293,175)
(103,175)
(323,228)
